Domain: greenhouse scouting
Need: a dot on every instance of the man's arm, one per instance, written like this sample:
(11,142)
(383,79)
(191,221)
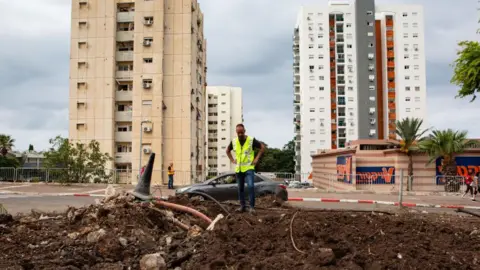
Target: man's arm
(229,153)
(257,144)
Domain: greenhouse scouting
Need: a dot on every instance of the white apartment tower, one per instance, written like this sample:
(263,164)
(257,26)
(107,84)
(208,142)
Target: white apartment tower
(137,84)
(358,68)
(224,112)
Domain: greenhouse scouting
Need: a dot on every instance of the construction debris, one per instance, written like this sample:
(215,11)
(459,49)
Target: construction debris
(120,233)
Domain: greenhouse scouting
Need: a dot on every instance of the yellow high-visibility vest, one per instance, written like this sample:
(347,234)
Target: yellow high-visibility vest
(244,155)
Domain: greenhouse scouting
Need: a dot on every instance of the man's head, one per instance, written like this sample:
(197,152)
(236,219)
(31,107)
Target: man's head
(240,131)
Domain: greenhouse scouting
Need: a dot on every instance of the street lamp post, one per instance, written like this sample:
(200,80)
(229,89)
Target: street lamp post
(141,138)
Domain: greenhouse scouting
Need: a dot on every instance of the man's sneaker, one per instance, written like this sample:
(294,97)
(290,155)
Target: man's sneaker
(240,210)
(252,211)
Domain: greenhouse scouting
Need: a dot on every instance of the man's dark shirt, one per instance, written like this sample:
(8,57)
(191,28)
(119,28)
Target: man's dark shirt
(256,144)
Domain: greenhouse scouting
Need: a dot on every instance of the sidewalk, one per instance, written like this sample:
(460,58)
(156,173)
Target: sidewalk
(425,199)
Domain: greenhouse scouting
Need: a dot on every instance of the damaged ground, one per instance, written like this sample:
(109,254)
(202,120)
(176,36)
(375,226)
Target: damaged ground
(119,233)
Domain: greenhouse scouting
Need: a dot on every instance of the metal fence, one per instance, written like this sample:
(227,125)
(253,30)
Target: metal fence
(389,182)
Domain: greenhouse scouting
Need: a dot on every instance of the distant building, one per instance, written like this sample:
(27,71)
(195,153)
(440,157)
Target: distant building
(224,112)
(30,159)
(358,68)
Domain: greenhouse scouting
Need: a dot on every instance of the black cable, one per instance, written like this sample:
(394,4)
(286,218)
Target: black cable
(211,198)
(461,210)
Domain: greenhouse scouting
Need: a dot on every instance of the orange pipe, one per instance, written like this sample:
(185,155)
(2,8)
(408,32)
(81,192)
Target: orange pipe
(184,209)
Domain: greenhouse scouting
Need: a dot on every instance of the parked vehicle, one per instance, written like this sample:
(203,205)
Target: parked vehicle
(225,188)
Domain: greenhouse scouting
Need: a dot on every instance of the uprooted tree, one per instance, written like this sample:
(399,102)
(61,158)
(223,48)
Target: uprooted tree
(77,162)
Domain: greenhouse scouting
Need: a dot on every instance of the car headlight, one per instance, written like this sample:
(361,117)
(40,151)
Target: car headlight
(181,190)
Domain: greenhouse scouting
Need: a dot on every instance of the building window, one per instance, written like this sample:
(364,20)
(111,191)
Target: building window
(310,56)
(405,35)
(310,46)
(349,46)
(320,67)
(407,67)
(320,46)
(407,109)
(349,25)
(312,141)
(417,78)
(407,99)
(405,25)
(417,88)
(417,99)
(415,25)
(312,98)
(148,60)
(407,77)
(407,88)
(370,23)
(320,56)
(312,131)
(405,14)
(406,56)
(312,78)
(369,12)
(312,120)
(370,34)
(415,35)
(350,98)
(321,88)
(414,13)
(416,67)
(322,109)
(320,36)
(415,56)
(321,78)
(312,109)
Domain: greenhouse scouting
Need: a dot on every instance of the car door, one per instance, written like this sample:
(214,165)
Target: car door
(225,188)
(258,182)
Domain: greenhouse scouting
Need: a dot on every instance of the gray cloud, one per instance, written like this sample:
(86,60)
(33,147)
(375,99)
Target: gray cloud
(249,45)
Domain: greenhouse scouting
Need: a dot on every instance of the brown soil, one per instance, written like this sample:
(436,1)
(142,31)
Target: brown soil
(325,240)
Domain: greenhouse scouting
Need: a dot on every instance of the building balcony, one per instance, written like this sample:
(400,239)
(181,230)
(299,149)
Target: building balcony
(124,56)
(123,157)
(213,118)
(298,138)
(334,126)
(332,43)
(391,74)
(390,44)
(391,64)
(342,124)
(212,135)
(125,36)
(390,54)
(124,75)
(333,95)
(391,85)
(333,105)
(389,33)
(392,126)
(126,16)
(123,96)
(342,135)
(389,23)
(391,94)
(392,116)
(333,116)
(123,136)
(123,116)
(391,105)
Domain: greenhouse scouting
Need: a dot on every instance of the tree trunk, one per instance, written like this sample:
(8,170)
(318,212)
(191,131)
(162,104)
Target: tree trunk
(410,171)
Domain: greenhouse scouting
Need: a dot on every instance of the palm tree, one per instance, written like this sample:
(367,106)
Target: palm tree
(6,144)
(445,144)
(410,133)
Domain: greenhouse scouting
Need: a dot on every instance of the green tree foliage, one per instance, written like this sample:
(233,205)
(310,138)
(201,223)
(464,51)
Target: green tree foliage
(410,133)
(445,144)
(6,144)
(9,162)
(77,162)
(467,69)
(278,160)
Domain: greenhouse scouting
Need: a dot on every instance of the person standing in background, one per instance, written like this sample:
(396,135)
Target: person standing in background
(171,173)
(469,184)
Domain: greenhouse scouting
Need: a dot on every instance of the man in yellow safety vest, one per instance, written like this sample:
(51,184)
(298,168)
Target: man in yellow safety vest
(245,161)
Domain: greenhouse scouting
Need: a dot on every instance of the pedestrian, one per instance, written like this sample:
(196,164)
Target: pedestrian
(476,185)
(171,173)
(469,184)
(245,161)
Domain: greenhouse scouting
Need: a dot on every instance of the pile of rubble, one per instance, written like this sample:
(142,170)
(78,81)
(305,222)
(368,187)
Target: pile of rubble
(119,233)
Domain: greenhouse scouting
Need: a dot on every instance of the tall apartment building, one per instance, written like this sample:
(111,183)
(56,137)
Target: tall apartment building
(358,68)
(137,69)
(224,112)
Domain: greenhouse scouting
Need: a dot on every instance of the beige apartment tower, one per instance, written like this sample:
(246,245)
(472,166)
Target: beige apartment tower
(138,70)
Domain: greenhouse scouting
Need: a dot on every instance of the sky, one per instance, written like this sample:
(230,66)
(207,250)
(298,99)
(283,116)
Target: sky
(249,46)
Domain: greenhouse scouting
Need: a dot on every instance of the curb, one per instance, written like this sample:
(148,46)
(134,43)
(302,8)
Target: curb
(406,204)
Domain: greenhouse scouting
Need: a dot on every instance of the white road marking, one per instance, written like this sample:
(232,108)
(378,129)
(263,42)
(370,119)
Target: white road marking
(26,185)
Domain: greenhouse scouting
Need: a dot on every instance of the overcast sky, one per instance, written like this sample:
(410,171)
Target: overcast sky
(249,45)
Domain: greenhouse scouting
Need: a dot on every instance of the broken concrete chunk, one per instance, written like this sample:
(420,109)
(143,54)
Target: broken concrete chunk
(153,262)
(95,236)
(123,241)
(326,256)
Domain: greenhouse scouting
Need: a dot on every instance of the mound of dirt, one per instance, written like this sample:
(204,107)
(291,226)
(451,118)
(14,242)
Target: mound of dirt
(119,233)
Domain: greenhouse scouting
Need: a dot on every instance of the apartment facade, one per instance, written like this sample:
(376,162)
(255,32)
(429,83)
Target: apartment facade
(358,67)
(138,71)
(224,112)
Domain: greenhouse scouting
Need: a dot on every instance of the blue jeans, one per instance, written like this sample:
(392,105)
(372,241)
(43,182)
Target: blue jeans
(170,181)
(248,176)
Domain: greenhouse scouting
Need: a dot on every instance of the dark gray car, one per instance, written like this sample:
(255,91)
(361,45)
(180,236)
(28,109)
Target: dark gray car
(225,188)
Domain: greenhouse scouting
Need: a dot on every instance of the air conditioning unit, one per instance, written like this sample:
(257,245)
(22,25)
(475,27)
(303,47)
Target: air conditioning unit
(371,68)
(147,129)
(147,85)
(372,121)
(147,150)
(372,132)
(370,56)
(372,111)
(147,43)
(148,22)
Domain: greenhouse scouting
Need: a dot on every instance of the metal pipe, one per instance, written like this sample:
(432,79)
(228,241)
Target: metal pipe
(183,208)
